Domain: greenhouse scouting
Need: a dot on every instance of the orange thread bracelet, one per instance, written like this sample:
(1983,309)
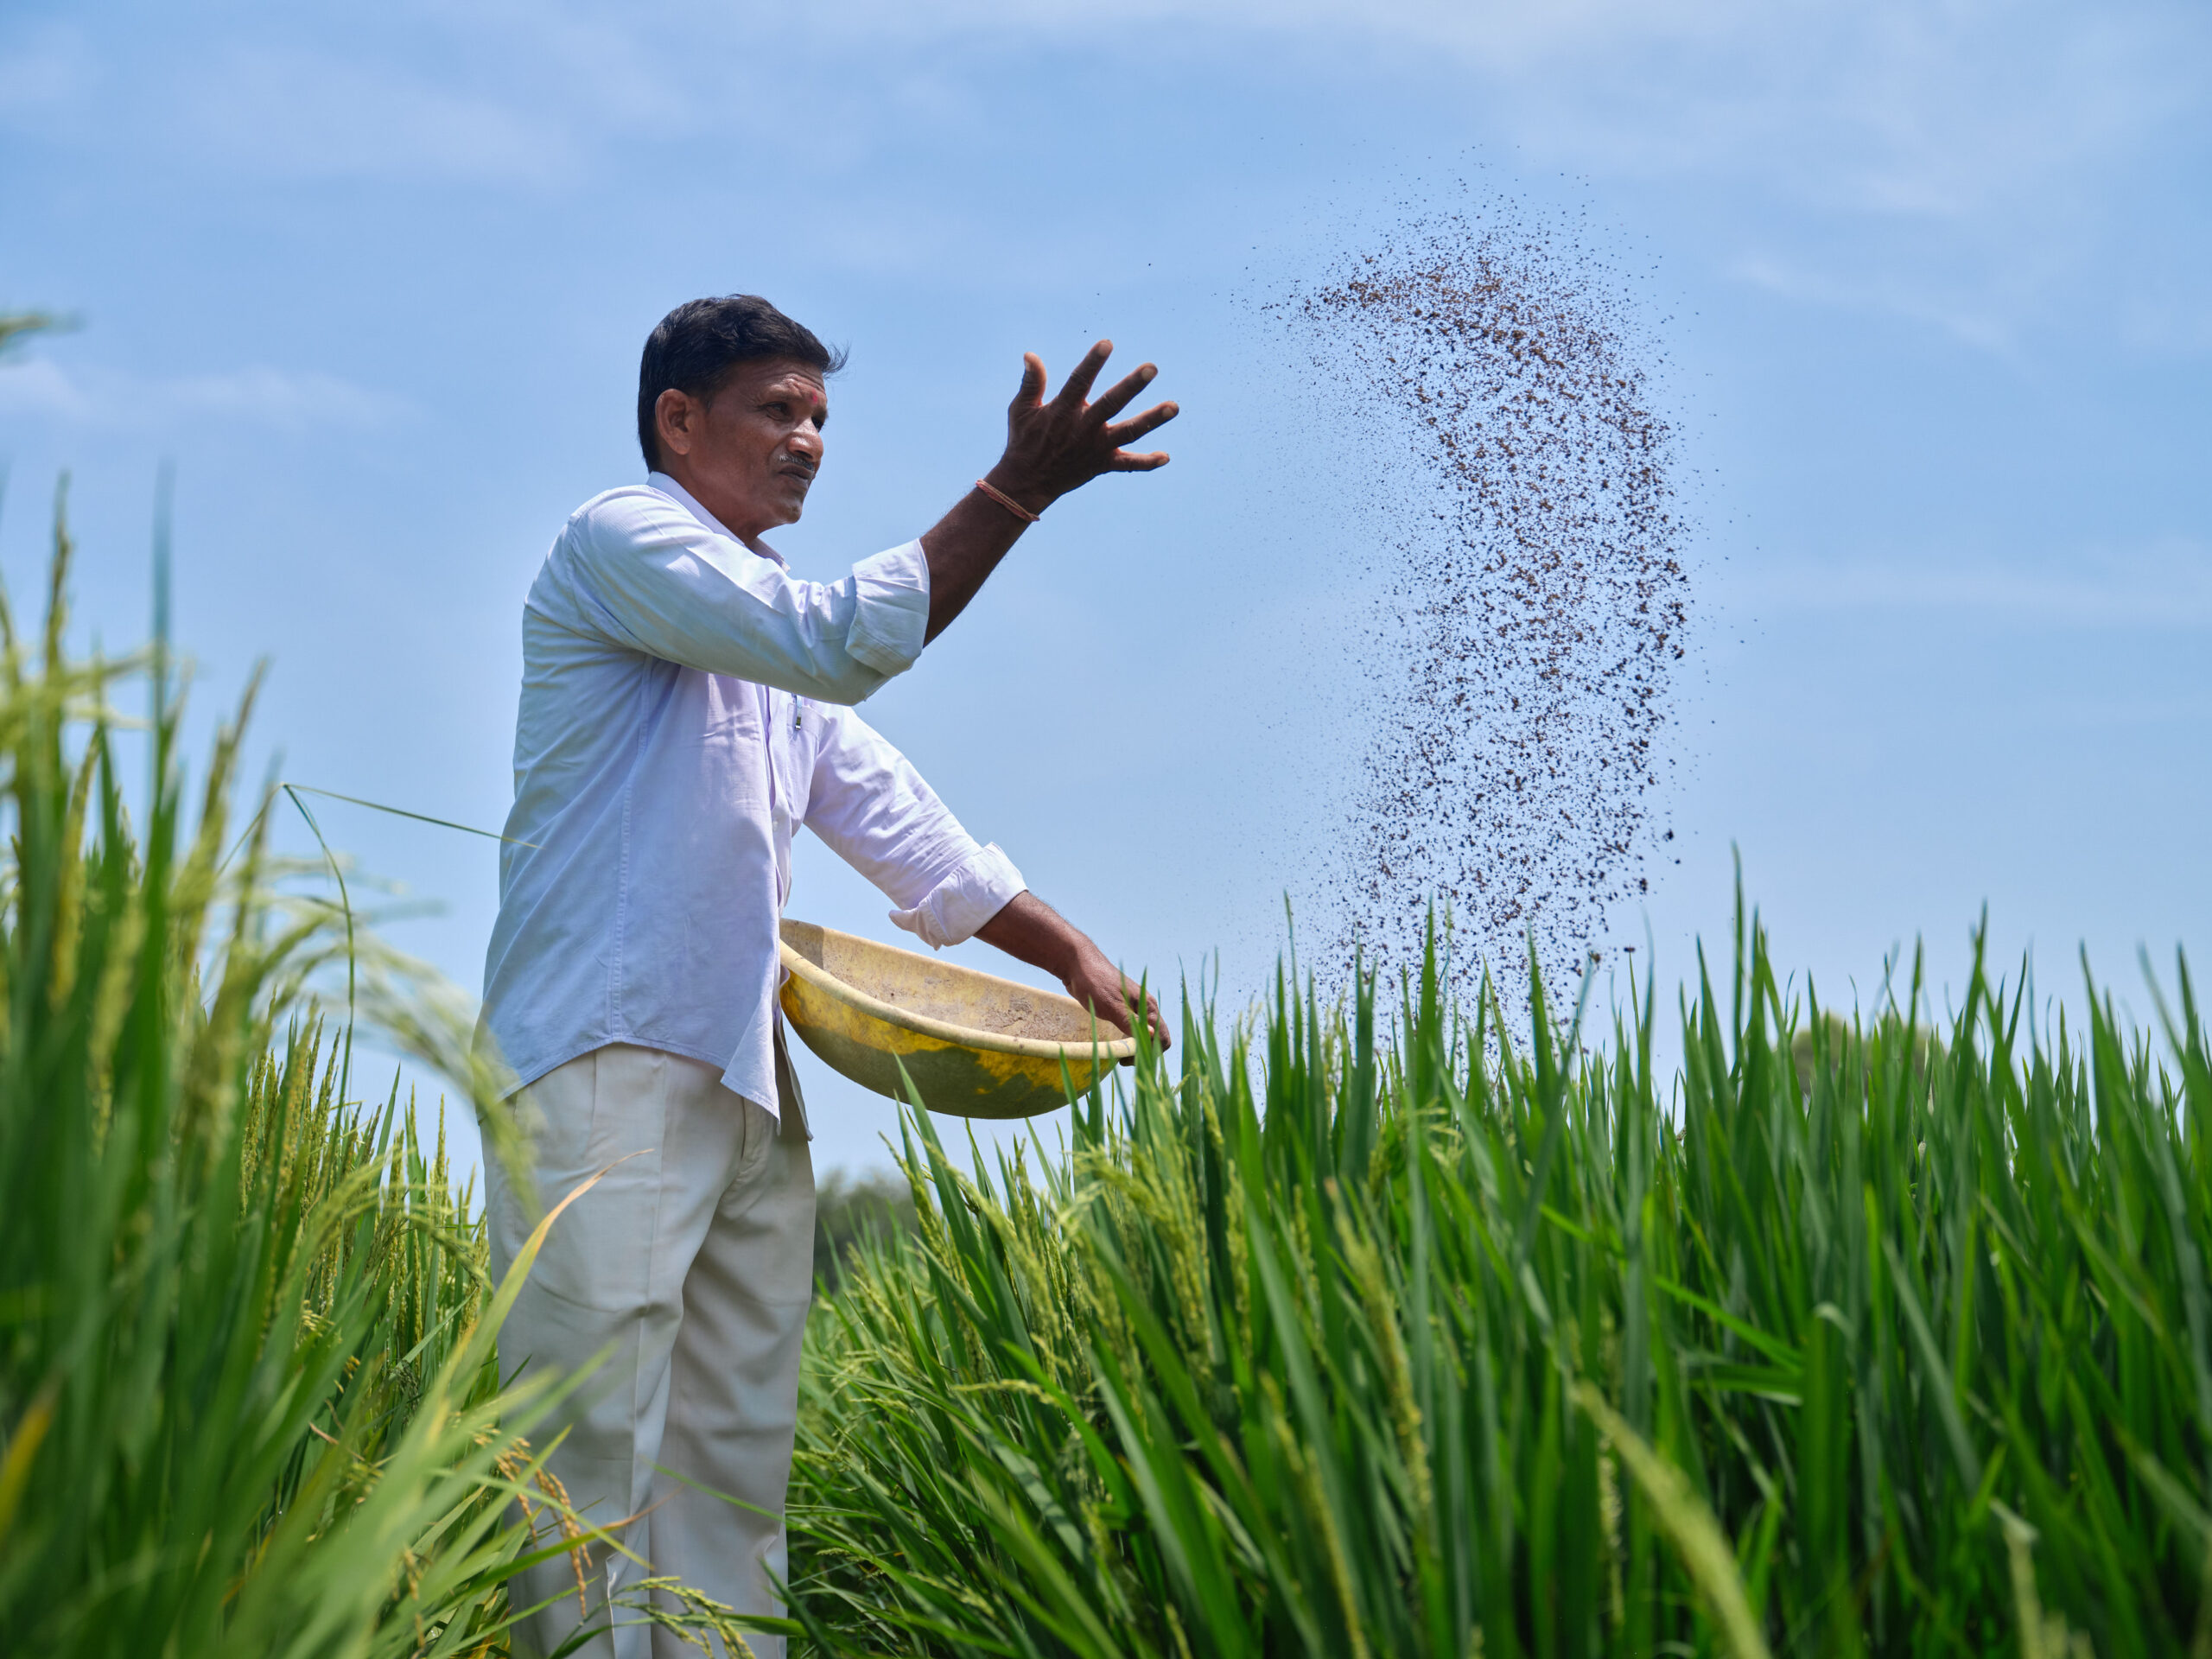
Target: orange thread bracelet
(1007,502)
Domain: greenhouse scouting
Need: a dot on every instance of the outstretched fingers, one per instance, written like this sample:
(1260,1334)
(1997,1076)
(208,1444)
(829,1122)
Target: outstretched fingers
(1123,392)
(1030,394)
(1130,430)
(1084,375)
(1058,443)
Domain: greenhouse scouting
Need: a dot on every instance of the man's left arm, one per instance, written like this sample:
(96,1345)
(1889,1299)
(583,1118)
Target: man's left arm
(1030,930)
(873,811)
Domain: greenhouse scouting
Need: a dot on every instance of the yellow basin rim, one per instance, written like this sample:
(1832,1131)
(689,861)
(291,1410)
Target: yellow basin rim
(967,1071)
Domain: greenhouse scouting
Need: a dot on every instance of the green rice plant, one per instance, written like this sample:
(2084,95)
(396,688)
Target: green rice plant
(1334,1340)
(249,1398)
(847,1208)
(250,1395)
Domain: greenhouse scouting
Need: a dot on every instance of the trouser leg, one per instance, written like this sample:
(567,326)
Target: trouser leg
(609,1279)
(733,1392)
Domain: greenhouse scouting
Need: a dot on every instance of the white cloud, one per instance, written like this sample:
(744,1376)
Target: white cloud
(1953,163)
(297,113)
(1956,158)
(2164,585)
(1892,105)
(1889,106)
(258,395)
(1985,326)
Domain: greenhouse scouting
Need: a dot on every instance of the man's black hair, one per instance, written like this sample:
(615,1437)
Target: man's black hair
(697,345)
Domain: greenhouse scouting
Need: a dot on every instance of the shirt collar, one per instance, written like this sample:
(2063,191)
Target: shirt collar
(668,487)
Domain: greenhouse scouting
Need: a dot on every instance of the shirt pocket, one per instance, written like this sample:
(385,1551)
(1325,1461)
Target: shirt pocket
(791,751)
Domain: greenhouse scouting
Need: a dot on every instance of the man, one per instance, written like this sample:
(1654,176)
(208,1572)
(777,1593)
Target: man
(686,705)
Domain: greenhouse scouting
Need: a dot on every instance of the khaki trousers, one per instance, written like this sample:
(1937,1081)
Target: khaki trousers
(690,1267)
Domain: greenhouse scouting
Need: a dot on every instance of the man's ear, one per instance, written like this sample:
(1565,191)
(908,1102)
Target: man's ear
(674,417)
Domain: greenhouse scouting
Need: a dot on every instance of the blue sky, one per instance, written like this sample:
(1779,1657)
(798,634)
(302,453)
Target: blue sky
(1930,281)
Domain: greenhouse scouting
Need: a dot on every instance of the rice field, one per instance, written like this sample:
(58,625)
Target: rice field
(249,1393)
(1355,1335)
(1385,1329)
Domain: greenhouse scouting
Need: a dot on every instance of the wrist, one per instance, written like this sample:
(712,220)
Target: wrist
(1022,488)
(1087,962)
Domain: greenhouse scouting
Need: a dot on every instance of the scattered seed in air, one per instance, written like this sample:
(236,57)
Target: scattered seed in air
(1534,555)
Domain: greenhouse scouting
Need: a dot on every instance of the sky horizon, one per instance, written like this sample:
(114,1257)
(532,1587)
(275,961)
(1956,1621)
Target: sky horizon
(1928,287)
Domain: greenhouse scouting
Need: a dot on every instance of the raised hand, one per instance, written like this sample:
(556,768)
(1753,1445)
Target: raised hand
(1054,447)
(1050,449)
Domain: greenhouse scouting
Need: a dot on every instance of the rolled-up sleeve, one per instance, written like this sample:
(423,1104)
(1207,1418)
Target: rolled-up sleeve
(644,571)
(964,901)
(890,614)
(870,806)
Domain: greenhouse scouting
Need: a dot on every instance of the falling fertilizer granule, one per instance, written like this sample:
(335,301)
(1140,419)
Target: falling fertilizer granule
(1537,597)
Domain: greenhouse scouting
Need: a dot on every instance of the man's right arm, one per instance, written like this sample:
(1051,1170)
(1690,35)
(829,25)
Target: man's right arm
(648,576)
(638,570)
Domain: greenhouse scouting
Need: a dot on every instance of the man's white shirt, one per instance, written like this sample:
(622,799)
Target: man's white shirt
(685,707)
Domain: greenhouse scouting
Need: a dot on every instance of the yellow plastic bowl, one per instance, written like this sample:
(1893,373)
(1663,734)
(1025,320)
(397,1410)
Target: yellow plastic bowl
(976,1045)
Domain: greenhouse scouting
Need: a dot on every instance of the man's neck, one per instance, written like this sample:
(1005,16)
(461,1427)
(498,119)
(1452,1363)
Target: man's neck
(705,504)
